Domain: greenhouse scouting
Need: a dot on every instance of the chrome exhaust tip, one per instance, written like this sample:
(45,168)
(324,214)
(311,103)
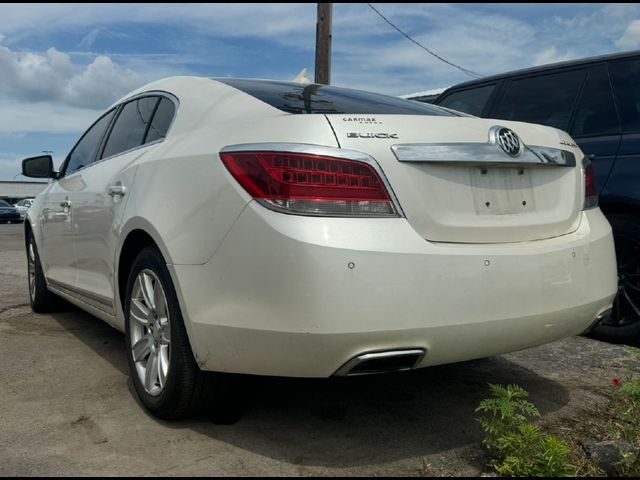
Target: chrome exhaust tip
(599,319)
(382,362)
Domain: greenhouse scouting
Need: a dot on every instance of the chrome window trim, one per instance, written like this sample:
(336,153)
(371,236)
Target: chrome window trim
(62,173)
(152,93)
(323,151)
(97,162)
(105,138)
(483,154)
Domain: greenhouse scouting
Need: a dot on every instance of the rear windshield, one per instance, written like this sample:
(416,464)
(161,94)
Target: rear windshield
(295,98)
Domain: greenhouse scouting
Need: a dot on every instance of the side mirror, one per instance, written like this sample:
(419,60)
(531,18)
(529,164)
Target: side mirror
(38,167)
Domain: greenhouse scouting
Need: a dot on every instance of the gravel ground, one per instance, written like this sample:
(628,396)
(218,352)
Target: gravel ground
(68,406)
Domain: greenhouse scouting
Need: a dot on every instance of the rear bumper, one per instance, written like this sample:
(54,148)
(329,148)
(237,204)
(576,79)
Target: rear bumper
(301,296)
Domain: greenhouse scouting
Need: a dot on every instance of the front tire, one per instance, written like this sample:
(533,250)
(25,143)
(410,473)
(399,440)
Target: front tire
(165,375)
(623,325)
(41,299)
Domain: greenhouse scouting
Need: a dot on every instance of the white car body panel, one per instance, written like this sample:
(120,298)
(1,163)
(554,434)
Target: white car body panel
(288,303)
(97,219)
(269,293)
(55,239)
(448,203)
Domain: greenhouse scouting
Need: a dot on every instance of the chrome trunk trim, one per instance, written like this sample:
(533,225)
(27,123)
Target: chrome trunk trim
(482,154)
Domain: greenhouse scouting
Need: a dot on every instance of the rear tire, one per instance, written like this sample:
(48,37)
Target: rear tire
(41,299)
(623,325)
(165,375)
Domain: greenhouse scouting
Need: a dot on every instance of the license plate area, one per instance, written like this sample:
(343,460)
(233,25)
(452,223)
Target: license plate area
(502,190)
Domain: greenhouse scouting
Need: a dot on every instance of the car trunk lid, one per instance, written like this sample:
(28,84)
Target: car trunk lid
(455,183)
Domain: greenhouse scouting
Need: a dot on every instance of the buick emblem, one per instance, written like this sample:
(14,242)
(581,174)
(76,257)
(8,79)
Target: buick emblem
(508,141)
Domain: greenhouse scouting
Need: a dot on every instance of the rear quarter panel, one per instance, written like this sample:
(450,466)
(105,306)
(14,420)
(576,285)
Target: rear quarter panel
(182,191)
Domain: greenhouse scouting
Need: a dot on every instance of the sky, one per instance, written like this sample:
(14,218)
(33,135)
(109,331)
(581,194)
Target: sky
(61,65)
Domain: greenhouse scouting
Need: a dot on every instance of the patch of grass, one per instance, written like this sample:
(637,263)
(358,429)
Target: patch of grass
(627,408)
(619,420)
(633,351)
(518,447)
(630,391)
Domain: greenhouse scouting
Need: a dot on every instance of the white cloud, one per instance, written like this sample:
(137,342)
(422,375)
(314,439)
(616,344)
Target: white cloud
(551,55)
(19,117)
(89,39)
(52,76)
(631,36)
(100,84)
(33,76)
(279,21)
(368,53)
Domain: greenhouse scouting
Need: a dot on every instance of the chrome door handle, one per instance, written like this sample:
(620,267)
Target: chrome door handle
(117,190)
(65,204)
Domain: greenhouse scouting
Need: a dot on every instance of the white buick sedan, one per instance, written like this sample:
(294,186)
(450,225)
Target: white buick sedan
(272,228)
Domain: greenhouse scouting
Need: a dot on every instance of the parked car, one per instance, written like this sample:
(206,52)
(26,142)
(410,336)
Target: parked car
(426,96)
(320,231)
(22,206)
(8,213)
(596,100)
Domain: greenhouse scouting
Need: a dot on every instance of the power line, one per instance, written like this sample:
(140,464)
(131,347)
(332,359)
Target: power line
(465,70)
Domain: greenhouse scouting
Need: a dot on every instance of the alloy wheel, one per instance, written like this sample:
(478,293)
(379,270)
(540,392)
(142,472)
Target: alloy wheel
(150,332)
(31,266)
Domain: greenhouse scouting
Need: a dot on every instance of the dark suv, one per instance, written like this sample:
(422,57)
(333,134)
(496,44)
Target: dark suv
(596,100)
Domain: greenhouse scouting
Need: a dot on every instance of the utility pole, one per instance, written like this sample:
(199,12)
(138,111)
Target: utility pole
(323,43)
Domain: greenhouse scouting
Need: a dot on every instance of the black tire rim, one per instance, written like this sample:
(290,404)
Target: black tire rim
(626,306)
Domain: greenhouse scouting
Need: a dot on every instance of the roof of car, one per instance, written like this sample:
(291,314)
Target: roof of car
(548,66)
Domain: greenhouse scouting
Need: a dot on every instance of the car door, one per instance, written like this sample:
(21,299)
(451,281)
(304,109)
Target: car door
(545,98)
(595,125)
(100,203)
(56,248)
(625,176)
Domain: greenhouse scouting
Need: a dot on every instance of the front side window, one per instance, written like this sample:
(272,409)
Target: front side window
(131,126)
(4,204)
(85,150)
(625,76)
(545,99)
(471,101)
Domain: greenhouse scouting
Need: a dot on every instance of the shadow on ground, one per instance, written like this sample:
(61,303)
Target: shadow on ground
(342,422)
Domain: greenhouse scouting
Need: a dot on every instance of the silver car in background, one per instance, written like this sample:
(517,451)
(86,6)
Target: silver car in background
(22,206)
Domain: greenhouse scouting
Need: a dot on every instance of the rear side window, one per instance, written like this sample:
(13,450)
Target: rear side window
(161,120)
(85,150)
(471,100)
(596,112)
(300,99)
(131,126)
(546,99)
(625,76)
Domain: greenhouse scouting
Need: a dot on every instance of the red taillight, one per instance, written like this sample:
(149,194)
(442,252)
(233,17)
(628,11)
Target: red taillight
(590,189)
(310,184)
